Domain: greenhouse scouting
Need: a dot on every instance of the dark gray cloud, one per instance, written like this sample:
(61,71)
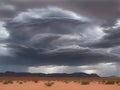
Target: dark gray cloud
(47,28)
(63,33)
(111,37)
(68,56)
(6,10)
(99,9)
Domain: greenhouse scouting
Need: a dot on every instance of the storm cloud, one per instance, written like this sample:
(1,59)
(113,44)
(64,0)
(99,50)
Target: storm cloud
(61,35)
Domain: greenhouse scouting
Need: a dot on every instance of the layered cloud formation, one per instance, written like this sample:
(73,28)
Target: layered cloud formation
(53,39)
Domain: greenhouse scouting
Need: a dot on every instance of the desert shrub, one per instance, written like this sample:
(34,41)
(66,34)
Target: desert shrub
(20,82)
(1,81)
(49,83)
(35,81)
(102,82)
(66,81)
(77,81)
(117,82)
(24,81)
(110,82)
(85,82)
(8,82)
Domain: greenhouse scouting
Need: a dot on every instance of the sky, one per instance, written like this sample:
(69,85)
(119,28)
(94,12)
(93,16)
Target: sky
(60,36)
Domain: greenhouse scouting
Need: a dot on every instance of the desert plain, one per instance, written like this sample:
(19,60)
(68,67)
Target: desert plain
(59,83)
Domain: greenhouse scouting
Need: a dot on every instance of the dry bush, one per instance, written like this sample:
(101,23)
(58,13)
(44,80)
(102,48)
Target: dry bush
(85,82)
(109,82)
(8,82)
(49,83)
(20,82)
(35,81)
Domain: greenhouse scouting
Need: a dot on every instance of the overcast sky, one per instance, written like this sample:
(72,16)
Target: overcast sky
(60,36)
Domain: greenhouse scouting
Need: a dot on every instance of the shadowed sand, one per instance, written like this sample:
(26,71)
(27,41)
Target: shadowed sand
(29,85)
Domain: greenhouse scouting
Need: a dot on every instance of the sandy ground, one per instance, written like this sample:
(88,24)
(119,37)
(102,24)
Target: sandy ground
(57,86)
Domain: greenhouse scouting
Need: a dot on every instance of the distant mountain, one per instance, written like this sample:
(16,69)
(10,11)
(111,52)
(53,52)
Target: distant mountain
(113,76)
(21,74)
